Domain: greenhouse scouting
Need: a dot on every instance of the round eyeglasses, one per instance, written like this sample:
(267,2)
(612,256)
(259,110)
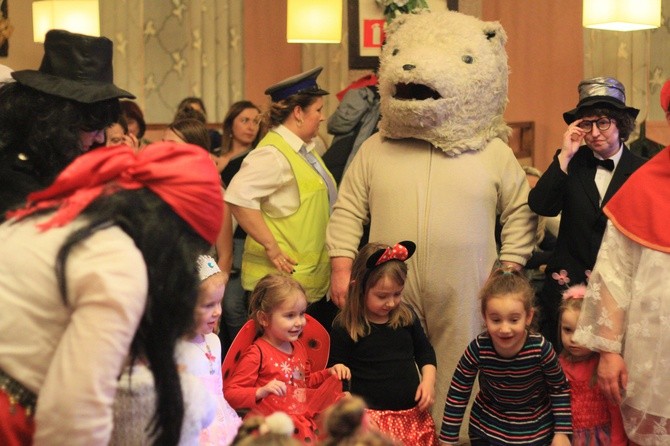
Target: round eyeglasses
(601,123)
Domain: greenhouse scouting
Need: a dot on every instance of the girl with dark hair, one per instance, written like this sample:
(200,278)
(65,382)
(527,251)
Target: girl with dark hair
(134,117)
(97,268)
(189,131)
(592,163)
(193,107)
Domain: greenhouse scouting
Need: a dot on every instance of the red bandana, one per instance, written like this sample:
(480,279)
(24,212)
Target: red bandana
(640,209)
(182,175)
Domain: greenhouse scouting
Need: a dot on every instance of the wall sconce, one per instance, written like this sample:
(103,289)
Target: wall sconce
(622,15)
(77,16)
(314,21)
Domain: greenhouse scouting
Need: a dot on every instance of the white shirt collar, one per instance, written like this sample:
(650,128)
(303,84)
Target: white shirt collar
(616,157)
(292,139)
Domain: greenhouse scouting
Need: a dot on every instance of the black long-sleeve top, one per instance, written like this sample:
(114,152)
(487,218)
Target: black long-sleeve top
(384,363)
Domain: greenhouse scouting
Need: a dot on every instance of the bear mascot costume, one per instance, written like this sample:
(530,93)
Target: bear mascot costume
(438,173)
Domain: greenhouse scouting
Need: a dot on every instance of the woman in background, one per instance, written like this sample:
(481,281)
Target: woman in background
(135,120)
(192,131)
(241,133)
(283,194)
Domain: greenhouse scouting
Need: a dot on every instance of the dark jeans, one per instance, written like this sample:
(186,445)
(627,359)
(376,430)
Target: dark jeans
(235,301)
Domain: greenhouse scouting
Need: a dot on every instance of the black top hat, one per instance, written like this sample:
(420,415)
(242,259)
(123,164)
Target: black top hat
(301,83)
(600,91)
(76,67)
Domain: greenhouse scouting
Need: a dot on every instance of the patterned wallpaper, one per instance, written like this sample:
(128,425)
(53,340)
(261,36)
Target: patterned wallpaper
(165,50)
(639,59)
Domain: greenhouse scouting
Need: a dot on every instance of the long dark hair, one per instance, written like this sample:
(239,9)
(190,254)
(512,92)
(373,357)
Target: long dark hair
(227,127)
(353,316)
(170,249)
(46,128)
(192,131)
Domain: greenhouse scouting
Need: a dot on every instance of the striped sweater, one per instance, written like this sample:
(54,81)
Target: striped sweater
(522,400)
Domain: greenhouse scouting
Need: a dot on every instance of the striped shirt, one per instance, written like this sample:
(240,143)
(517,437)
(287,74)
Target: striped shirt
(522,400)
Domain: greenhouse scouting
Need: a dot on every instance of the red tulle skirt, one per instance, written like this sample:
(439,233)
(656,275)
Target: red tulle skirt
(413,427)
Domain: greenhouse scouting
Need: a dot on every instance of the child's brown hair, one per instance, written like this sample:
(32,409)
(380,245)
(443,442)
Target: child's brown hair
(363,277)
(507,281)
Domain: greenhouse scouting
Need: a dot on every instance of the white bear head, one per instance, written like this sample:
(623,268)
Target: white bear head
(443,79)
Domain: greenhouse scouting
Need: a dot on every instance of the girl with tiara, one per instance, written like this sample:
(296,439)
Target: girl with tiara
(200,352)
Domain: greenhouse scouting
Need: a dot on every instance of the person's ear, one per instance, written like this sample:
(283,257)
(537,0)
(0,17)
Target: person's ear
(298,113)
(529,317)
(263,319)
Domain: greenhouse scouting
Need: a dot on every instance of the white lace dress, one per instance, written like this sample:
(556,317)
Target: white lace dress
(203,360)
(627,310)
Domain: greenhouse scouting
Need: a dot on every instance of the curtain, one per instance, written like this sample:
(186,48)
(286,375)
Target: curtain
(637,58)
(166,50)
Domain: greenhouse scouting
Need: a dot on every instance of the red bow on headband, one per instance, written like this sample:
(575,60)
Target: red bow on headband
(400,251)
(182,175)
(397,252)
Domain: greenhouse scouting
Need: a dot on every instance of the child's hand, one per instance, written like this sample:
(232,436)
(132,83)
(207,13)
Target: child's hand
(560,440)
(342,371)
(274,387)
(425,395)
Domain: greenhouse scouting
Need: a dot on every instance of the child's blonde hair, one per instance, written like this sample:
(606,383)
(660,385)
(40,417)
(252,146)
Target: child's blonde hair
(353,316)
(567,304)
(505,281)
(268,294)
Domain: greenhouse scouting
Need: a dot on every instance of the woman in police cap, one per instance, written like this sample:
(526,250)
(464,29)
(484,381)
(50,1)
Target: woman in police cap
(283,193)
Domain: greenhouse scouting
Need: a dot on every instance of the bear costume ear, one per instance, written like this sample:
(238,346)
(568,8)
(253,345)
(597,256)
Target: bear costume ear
(494,32)
(394,25)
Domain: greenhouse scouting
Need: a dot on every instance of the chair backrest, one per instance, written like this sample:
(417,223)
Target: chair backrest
(314,337)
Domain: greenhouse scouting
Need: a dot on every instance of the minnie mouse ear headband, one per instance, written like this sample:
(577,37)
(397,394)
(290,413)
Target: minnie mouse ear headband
(600,91)
(207,267)
(182,175)
(401,251)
